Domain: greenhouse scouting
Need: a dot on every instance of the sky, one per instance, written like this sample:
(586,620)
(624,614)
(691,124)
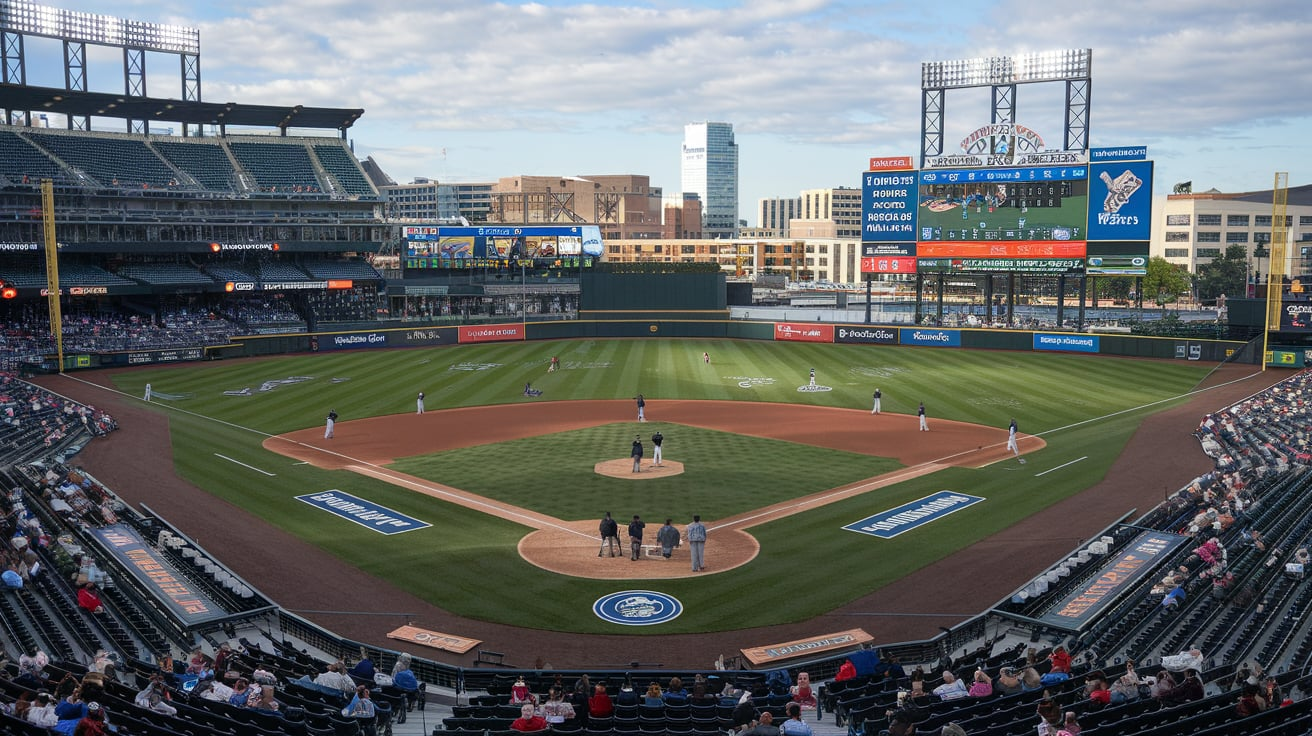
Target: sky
(477,90)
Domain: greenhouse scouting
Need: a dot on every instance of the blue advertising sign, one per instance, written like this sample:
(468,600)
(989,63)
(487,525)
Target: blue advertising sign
(1119,153)
(1121,201)
(888,206)
(365,513)
(637,608)
(1023,174)
(908,516)
(1066,342)
(935,338)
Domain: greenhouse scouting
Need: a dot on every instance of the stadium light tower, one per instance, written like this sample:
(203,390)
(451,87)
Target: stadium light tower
(1002,74)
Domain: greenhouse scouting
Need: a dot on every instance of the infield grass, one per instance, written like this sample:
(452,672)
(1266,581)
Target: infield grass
(480,574)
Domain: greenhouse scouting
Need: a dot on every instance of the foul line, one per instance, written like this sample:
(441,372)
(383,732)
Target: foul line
(1059,467)
(244,465)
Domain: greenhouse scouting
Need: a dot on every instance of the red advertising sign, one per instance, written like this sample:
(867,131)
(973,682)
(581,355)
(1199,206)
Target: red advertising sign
(890,163)
(491,333)
(804,331)
(888,264)
(1003,249)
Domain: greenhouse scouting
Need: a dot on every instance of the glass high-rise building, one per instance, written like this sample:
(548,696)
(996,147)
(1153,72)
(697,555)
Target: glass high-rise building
(710,170)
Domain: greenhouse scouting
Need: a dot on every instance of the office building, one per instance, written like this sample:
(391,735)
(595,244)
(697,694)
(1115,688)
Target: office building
(710,170)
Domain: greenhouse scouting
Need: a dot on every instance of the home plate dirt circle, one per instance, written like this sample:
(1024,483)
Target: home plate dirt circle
(571,549)
(623,468)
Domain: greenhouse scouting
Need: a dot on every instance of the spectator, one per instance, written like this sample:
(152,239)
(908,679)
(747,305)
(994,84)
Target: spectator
(556,709)
(1071,726)
(794,726)
(982,687)
(763,726)
(600,705)
(627,696)
(12,580)
(336,679)
(1050,717)
(262,699)
(42,711)
(403,679)
(32,668)
(361,709)
(88,598)
(241,692)
(93,722)
(846,671)
(223,659)
(676,694)
(952,688)
(1060,659)
(213,690)
(1189,690)
(528,721)
(1007,683)
(652,699)
(1096,689)
(155,697)
(1030,679)
(743,713)
(802,693)
(364,669)
(917,682)
(520,694)
(1250,701)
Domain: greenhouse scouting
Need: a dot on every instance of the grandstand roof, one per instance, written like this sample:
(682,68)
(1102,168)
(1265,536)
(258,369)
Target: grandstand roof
(102,104)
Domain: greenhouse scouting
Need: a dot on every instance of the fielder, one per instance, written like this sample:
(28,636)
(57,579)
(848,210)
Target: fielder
(419,403)
(642,408)
(924,425)
(328,426)
(1011,439)
(656,441)
(148,392)
(812,376)
(878,396)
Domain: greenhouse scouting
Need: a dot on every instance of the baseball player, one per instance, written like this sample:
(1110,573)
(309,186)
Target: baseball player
(148,392)
(812,376)
(555,363)
(706,358)
(878,396)
(656,441)
(419,403)
(1011,438)
(636,454)
(328,426)
(924,425)
(635,537)
(642,407)
(610,535)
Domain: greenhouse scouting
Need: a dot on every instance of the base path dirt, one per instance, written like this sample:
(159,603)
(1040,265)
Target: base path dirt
(135,461)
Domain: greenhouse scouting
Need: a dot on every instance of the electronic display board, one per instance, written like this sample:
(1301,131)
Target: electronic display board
(1027,203)
(501,246)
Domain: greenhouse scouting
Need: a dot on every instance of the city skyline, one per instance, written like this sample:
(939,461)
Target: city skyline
(812,88)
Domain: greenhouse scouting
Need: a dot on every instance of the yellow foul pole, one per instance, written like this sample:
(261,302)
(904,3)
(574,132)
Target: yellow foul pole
(52,268)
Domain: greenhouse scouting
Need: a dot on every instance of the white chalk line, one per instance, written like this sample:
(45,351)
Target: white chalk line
(244,465)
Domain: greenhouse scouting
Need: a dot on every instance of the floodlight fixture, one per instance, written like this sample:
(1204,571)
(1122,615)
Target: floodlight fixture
(22,16)
(1039,66)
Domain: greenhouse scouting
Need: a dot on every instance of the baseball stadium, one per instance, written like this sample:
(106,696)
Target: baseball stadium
(264,447)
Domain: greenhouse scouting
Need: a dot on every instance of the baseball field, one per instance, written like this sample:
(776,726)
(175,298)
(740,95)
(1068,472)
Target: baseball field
(506,485)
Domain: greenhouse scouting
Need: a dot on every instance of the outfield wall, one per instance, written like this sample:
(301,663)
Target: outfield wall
(660,325)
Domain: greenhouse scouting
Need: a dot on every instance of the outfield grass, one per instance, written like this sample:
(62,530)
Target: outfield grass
(481,574)
(724,474)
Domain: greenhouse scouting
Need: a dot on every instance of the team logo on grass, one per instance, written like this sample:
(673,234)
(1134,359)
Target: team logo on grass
(811,388)
(468,366)
(750,382)
(637,608)
(908,516)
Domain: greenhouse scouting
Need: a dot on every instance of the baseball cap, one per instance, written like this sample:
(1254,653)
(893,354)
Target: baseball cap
(93,706)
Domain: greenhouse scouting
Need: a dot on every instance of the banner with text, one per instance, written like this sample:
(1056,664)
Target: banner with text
(1121,201)
(158,575)
(888,206)
(934,338)
(1065,342)
(491,333)
(866,335)
(803,332)
(1118,574)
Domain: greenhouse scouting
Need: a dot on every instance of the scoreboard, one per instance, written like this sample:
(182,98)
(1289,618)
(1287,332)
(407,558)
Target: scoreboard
(498,246)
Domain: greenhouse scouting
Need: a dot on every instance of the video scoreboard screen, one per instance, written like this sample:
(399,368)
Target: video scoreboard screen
(1029,204)
(439,247)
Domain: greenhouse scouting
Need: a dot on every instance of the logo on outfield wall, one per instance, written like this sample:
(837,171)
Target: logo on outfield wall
(637,608)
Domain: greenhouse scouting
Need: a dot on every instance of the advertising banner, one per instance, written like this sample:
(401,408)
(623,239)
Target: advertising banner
(1118,153)
(894,264)
(931,337)
(1013,249)
(1001,265)
(908,516)
(426,336)
(349,341)
(809,646)
(888,206)
(158,575)
(176,355)
(891,163)
(1121,201)
(491,333)
(803,332)
(1296,316)
(434,639)
(1118,574)
(1066,342)
(868,335)
(872,250)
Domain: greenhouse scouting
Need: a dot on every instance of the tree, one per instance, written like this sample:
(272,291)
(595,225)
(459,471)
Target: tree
(1165,282)
(1224,275)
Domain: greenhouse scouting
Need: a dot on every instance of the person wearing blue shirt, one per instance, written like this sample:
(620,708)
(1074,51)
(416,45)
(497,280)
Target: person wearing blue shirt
(11,578)
(364,669)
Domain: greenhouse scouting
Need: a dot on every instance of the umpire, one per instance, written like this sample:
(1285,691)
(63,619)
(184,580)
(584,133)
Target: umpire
(610,535)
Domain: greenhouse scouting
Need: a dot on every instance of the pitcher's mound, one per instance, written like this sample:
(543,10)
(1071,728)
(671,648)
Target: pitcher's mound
(623,468)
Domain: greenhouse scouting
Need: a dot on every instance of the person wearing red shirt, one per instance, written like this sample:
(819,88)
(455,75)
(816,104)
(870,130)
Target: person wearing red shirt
(1061,660)
(528,720)
(88,598)
(600,705)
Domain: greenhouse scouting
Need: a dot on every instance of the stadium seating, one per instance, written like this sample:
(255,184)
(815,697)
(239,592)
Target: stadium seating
(353,269)
(283,168)
(23,163)
(205,162)
(112,160)
(344,168)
